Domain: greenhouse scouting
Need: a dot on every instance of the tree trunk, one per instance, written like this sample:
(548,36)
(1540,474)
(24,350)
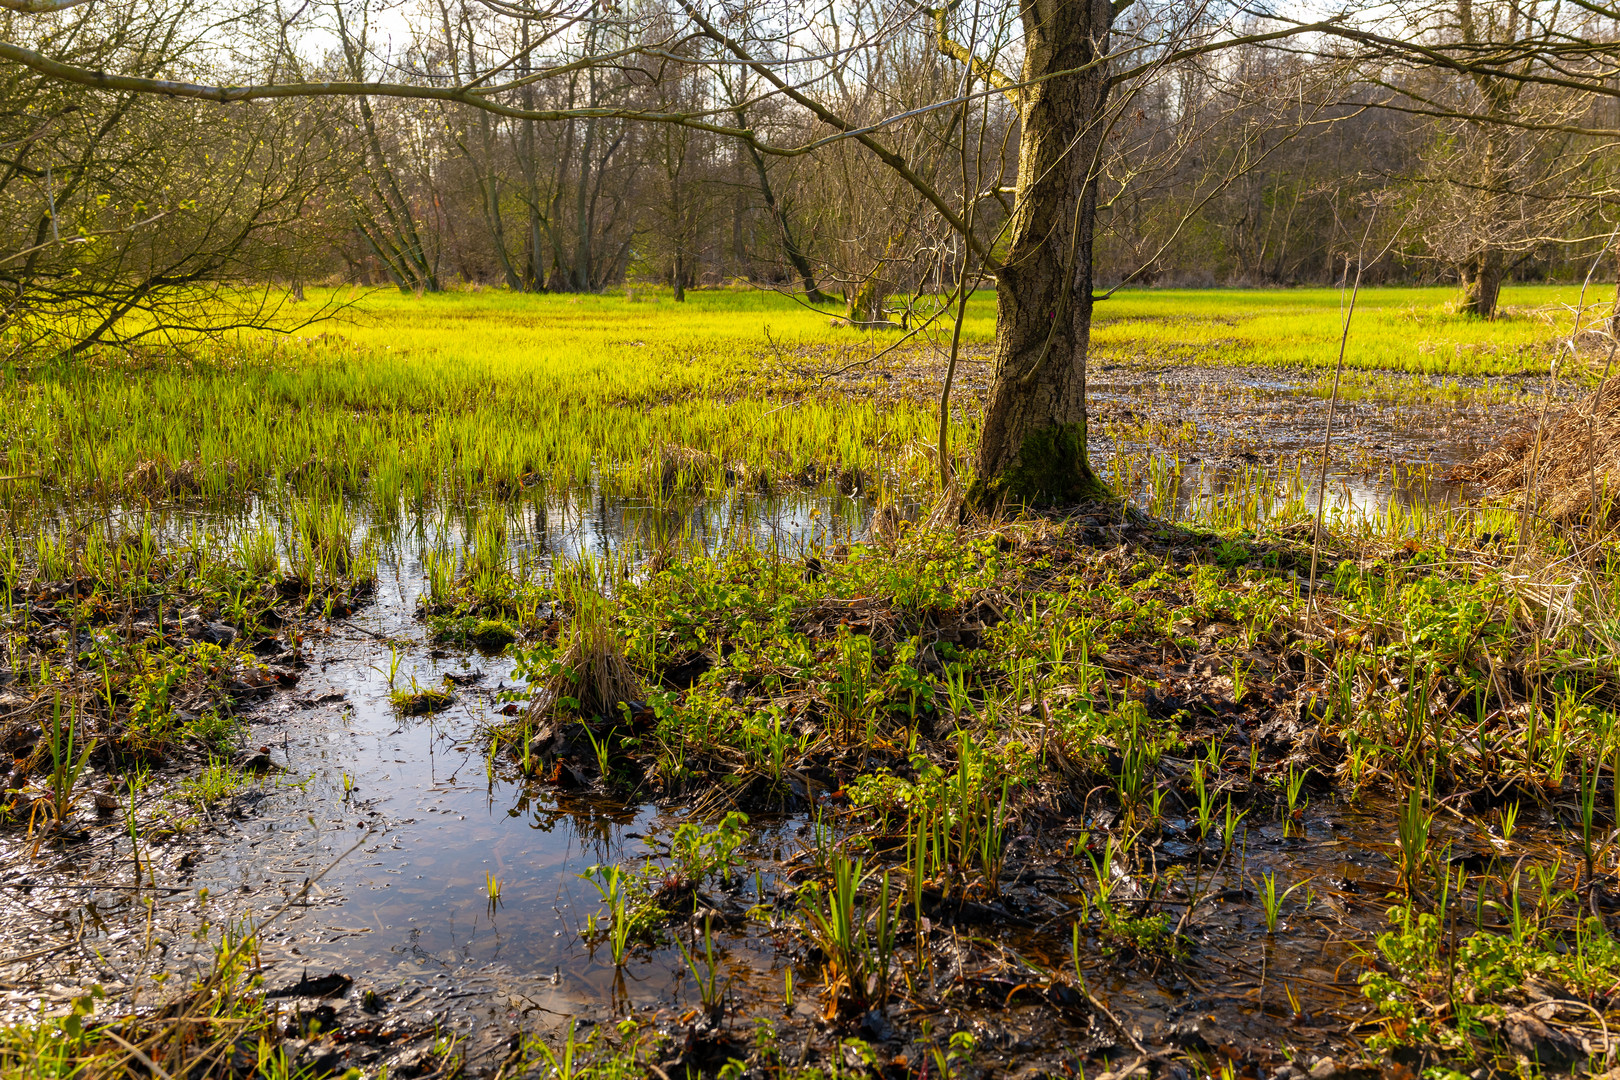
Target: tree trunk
(1481,284)
(497,233)
(864,306)
(533,275)
(489,185)
(1032,448)
(790,246)
(582,216)
(679,277)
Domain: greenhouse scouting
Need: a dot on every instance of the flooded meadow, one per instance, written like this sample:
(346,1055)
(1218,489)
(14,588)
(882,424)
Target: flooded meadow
(703,774)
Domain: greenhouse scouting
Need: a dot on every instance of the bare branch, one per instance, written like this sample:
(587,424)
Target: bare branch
(949,47)
(39,7)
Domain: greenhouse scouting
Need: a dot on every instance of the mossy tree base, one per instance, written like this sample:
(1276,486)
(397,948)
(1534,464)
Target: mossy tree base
(1032,440)
(1050,470)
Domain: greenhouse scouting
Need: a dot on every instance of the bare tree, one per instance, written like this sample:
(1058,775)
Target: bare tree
(736,87)
(1520,97)
(1494,188)
(1070,70)
(116,230)
(679,158)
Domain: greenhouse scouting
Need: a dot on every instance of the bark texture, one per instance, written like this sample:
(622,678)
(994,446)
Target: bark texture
(1481,283)
(864,307)
(1033,446)
(1614,315)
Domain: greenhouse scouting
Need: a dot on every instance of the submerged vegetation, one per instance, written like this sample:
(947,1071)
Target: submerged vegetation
(938,764)
(127,650)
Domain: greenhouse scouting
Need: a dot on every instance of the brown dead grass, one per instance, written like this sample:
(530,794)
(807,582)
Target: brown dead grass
(592,669)
(1570,463)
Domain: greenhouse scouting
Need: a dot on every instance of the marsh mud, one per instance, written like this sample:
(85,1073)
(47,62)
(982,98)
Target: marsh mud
(371,840)
(1211,429)
(1214,429)
(1245,415)
(405,877)
(400,823)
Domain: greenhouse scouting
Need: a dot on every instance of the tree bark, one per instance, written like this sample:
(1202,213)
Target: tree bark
(490,196)
(1614,316)
(864,306)
(533,274)
(1032,448)
(1481,284)
(582,216)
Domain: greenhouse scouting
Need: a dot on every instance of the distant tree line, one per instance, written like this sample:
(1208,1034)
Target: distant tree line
(1253,165)
(175,166)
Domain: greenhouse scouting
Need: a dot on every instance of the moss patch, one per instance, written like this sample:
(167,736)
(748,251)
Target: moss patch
(419,701)
(1050,470)
(487,634)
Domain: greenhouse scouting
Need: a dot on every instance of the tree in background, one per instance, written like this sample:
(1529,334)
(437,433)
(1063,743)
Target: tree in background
(122,213)
(1077,73)
(1513,148)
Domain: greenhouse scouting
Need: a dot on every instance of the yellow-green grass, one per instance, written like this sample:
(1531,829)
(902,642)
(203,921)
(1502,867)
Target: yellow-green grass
(1408,330)
(470,393)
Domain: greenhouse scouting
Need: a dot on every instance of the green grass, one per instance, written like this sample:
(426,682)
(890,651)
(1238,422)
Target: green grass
(982,677)
(130,642)
(979,676)
(1394,329)
(218,782)
(480,394)
(220,1013)
(465,393)
(421,700)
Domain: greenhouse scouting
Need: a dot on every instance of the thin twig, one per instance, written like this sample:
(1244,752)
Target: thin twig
(140,1054)
(1333,405)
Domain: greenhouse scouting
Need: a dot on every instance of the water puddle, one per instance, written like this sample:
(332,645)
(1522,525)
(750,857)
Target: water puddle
(405,825)
(408,822)
(1214,434)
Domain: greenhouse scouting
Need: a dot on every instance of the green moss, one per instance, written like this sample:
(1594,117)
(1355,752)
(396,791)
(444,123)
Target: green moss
(1050,470)
(488,634)
(418,701)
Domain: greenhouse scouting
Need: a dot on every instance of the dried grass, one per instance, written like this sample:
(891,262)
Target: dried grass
(947,509)
(886,526)
(154,478)
(592,669)
(681,470)
(1576,466)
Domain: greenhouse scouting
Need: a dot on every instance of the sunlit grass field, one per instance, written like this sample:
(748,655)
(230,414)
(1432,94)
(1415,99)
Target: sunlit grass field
(1393,329)
(469,393)
(363,441)
(1396,329)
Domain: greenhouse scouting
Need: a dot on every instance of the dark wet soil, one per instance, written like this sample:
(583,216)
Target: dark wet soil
(1393,434)
(381,830)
